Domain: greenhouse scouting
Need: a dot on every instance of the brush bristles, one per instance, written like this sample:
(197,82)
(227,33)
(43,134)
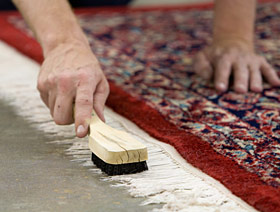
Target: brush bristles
(119,169)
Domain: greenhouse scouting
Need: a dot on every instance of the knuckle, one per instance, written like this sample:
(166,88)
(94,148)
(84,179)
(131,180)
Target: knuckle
(84,101)
(223,61)
(40,85)
(51,79)
(64,82)
(64,77)
(84,74)
(105,88)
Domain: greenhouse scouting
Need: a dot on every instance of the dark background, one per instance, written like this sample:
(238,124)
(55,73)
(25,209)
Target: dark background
(8,5)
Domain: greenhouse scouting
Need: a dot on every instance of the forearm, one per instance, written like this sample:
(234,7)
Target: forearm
(52,22)
(234,20)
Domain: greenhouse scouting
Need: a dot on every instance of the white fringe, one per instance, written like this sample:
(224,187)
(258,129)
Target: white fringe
(170,181)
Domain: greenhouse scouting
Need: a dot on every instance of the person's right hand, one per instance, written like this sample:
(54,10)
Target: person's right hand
(71,74)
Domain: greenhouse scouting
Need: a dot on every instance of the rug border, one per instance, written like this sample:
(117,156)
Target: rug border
(265,198)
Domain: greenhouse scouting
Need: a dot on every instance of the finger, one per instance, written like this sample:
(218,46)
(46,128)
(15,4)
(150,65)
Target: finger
(100,97)
(270,74)
(83,107)
(241,77)
(63,109)
(222,73)
(202,66)
(255,78)
(45,98)
(51,101)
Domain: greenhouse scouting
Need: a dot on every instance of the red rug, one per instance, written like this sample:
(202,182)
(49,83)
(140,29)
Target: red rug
(145,54)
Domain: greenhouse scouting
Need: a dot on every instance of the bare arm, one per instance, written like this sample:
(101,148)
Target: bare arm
(52,22)
(232,49)
(70,72)
(234,20)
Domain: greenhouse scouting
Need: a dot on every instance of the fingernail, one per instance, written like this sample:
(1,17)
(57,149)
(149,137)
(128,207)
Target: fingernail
(221,86)
(80,129)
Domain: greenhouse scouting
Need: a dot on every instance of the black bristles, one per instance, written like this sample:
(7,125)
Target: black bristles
(119,169)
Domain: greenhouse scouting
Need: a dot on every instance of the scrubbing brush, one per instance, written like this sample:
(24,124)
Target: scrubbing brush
(115,152)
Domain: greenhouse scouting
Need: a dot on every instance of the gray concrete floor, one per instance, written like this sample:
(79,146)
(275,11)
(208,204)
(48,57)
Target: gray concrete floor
(36,176)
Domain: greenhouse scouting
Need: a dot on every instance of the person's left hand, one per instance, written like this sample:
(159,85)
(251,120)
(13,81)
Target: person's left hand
(224,58)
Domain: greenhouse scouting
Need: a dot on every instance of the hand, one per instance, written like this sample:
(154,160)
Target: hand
(224,58)
(71,73)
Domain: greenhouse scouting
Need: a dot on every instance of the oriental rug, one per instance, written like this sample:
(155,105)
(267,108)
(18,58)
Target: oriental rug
(147,55)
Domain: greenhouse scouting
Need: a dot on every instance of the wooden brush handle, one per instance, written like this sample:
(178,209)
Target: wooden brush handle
(114,146)
(111,145)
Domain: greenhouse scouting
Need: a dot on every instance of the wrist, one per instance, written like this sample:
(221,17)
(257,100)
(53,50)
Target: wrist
(240,42)
(51,40)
